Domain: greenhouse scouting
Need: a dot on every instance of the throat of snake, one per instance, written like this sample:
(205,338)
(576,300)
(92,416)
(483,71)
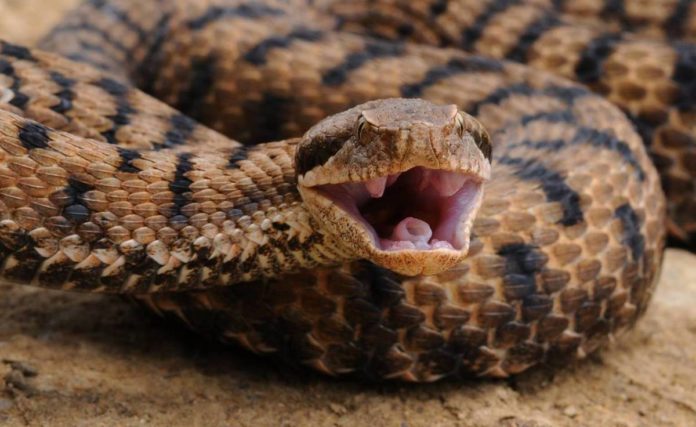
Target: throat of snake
(420,209)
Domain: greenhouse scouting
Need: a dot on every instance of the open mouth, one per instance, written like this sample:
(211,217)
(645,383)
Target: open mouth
(419,209)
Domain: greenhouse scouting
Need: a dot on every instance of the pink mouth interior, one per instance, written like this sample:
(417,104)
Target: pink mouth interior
(420,209)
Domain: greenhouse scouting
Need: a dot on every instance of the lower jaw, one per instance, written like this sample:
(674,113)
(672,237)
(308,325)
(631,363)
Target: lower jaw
(417,262)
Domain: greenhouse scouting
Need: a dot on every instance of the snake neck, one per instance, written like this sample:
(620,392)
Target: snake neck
(269,244)
(269,229)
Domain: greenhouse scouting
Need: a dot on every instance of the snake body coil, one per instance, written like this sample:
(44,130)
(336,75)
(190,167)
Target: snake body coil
(312,248)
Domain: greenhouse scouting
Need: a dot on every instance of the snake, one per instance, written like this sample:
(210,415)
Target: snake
(382,189)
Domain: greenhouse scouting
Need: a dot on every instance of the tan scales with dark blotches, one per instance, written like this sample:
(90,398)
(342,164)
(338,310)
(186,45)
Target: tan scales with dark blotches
(544,250)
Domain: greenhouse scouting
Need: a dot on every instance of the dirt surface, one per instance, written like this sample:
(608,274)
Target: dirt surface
(68,359)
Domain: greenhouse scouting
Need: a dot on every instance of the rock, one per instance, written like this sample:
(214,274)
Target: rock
(24,368)
(570,411)
(5,404)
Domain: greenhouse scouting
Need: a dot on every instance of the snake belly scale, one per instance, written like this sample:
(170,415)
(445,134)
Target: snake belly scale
(119,174)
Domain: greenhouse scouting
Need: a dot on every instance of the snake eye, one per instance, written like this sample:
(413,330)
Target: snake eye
(362,124)
(459,122)
(476,130)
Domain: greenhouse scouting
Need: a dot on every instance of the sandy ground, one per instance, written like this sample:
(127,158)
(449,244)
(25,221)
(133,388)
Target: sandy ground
(70,360)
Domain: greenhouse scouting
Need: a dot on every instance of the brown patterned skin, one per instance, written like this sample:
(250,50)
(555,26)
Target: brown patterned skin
(566,249)
(657,18)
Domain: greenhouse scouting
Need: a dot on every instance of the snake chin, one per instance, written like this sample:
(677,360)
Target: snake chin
(414,222)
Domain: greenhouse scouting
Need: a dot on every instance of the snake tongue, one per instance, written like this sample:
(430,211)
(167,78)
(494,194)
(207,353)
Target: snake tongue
(409,233)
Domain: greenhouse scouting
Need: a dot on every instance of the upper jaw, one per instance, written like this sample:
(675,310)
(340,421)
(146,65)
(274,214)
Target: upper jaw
(357,172)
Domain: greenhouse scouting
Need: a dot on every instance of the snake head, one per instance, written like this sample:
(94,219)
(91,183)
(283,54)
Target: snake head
(396,181)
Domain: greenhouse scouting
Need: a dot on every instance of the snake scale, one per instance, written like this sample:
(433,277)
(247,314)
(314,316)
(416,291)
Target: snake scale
(364,247)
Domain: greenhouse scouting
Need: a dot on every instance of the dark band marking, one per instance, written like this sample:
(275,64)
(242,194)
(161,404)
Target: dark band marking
(404,30)
(675,25)
(112,87)
(266,117)
(77,189)
(33,135)
(76,29)
(598,140)
(522,263)
(127,157)
(613,9)
(551,145)
(76,213)
(438,7)
(499,95)
(28,258)
(246,10)
(201,83)
(110,10)
(280,226)
(88,52)
(607,141)
(646,128)
(93,48)
(65,94)
(76,208)
(7,69)
(561,116)
(590,66)
(19,99)
(566,94)
(180,129)
(372,50)
(473,64)
(257,54)
(553,185)
(632,237)
(148,68)
(123,108)
(15,51)
(180,184)
(531,34)
(472,34)
(241,153)
(78,57)
(684,76)
(616,10)
(583,136)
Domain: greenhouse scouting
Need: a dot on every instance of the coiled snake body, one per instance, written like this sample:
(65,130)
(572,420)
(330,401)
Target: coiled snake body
(360,247)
